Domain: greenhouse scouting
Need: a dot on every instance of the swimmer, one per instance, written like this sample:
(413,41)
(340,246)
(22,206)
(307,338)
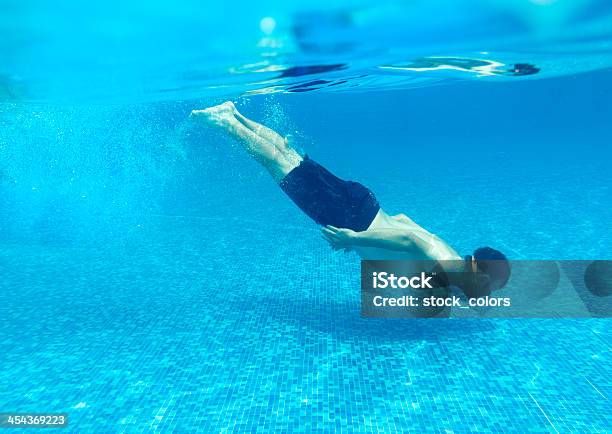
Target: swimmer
(481,67)
(350,216)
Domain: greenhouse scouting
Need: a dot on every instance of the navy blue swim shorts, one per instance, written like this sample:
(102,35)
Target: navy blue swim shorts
(329,200)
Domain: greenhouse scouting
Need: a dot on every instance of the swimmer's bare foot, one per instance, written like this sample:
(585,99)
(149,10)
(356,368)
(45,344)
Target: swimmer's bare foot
(217,115)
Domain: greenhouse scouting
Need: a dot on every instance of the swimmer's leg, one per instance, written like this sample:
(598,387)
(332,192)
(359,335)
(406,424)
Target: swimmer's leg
(261,130)
(259,141)
(269,134)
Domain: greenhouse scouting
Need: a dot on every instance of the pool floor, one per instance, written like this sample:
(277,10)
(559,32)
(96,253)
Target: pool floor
(159,332)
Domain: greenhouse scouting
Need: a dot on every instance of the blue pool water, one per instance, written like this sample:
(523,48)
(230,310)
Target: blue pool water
(153,277)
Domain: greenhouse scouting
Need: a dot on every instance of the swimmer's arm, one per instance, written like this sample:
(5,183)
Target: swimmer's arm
(389,239)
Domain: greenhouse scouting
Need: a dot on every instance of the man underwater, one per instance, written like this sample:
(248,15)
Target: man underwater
(349,213)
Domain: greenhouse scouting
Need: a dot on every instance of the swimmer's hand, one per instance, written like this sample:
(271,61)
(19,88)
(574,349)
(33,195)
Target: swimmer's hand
(338,238)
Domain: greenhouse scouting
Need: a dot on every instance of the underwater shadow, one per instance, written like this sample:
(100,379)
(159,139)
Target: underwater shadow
(344,321)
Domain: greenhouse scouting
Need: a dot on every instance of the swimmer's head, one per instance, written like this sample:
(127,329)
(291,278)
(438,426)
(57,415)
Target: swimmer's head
(522,69)
(488,270)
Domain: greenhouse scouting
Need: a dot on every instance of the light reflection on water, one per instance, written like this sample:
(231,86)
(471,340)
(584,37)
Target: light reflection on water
(160,51)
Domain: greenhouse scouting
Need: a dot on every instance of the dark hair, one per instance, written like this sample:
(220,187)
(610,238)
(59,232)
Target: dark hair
(494,264)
